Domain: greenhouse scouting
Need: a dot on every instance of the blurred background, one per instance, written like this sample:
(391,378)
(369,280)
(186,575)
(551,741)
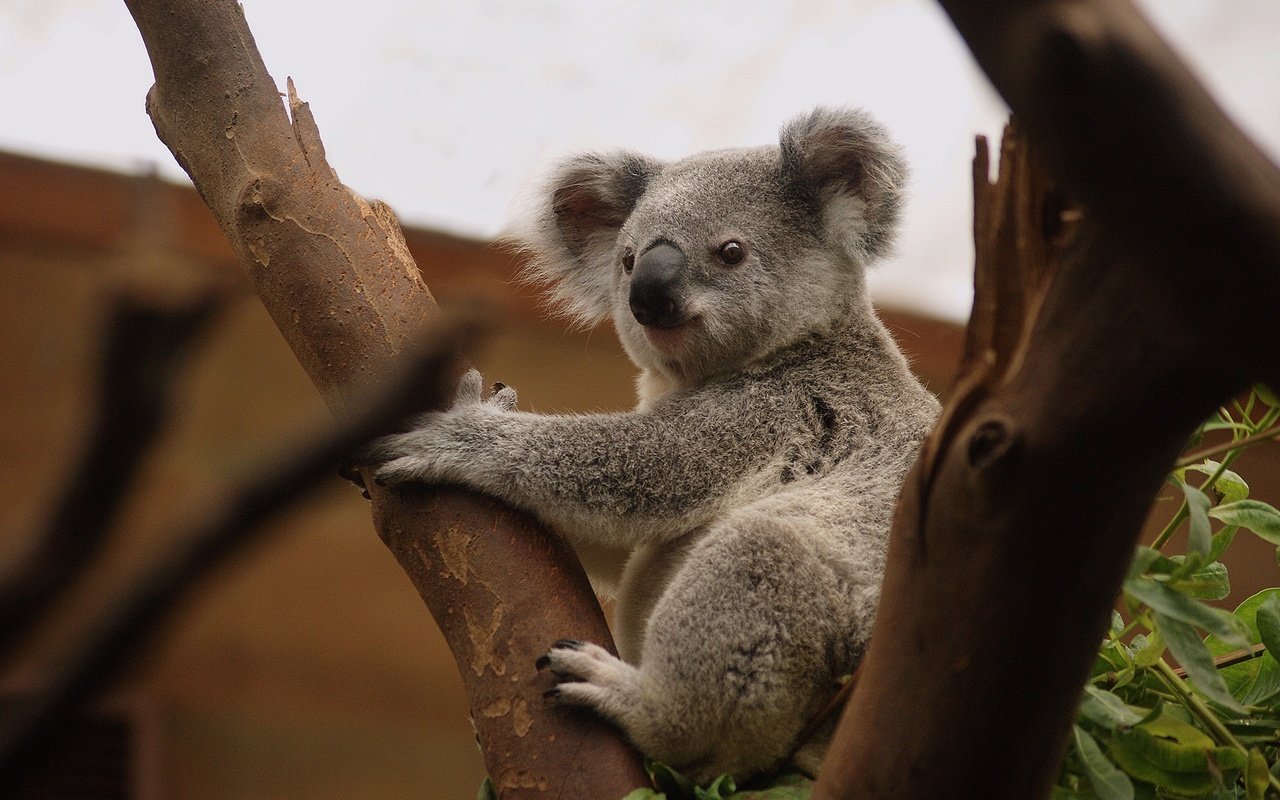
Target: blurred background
(311,669)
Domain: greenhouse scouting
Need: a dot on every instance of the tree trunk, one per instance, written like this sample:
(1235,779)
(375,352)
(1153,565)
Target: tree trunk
(1016,525)
(334,273)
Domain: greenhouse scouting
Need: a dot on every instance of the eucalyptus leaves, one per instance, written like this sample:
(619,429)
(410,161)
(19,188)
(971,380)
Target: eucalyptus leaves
(1212,728)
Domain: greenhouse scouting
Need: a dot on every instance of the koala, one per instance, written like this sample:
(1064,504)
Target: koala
(740,513)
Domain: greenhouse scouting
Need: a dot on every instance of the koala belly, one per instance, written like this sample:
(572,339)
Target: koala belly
(750,629)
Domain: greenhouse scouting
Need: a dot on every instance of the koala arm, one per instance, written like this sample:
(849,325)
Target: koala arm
(613,479)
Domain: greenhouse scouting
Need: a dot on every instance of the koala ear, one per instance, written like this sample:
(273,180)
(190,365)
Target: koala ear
(572,229)
(845,162)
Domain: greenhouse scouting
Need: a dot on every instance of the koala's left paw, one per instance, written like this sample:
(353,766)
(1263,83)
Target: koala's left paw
(588,675)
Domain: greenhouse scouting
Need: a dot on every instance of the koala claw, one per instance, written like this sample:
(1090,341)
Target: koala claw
(469,390)
(504,397)
(588,675)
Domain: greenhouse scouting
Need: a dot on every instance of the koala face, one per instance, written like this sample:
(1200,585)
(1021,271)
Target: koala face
(718,264)
(709,263)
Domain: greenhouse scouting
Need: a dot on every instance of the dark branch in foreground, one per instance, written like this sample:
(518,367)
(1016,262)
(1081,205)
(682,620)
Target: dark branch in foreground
(115,640)
(145,346)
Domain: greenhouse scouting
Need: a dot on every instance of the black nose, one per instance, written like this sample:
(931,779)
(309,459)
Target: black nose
(655,285)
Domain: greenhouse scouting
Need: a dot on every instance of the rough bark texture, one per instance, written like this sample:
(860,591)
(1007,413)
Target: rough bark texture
(335,275)
(1023,511)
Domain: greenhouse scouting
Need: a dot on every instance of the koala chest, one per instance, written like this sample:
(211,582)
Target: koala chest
(823,434)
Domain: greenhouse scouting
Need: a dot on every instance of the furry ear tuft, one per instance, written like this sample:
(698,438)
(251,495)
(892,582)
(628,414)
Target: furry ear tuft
(571,231)
(844,161)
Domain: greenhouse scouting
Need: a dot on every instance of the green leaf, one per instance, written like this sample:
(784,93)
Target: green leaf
(721,788)
(1180,607)
(1257,681)
(635,794)
(1148,649)
(1221,541)
(1256,776)
(1265,394)
(1104,709)
(1209,582)
(1200,535)
(1173,755)
(1186,646)
(1178,731)
(669,782)
(1108,782)
(1268,621)
(1129,752)
(487,793)
(1143,558)
(1257,516)
(1112,657)
(1230,484)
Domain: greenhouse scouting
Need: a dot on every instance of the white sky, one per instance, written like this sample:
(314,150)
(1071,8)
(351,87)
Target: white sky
(444,109)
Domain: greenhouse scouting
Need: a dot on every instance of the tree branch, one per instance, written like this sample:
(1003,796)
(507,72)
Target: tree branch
(1025,515)
(335,274)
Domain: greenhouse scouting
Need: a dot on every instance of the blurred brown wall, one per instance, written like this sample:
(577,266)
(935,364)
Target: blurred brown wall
(310,669)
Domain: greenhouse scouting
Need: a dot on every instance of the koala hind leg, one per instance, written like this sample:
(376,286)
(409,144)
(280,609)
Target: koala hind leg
(734,663)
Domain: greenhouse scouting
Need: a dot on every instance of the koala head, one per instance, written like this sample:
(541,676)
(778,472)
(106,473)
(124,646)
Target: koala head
(712,262)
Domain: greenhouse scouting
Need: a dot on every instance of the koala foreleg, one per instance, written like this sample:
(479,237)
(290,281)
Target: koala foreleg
(613,479)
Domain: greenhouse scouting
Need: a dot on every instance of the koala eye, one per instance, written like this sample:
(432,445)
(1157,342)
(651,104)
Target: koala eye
(628,260)
(732,252)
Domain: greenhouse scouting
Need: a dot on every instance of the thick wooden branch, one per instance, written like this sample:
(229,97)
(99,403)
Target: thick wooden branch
(1133,135)
(1014,531)
(335,275)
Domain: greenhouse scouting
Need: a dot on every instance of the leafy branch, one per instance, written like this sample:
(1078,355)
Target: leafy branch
(1211,727)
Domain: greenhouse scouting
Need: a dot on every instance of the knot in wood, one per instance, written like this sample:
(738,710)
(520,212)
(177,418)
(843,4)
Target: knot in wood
(260,199)
(989,443)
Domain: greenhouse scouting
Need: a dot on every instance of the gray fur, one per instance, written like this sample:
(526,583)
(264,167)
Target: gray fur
(741,511)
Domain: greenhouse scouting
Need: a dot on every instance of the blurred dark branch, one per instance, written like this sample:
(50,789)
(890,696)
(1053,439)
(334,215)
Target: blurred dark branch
(145,346)
(115,641)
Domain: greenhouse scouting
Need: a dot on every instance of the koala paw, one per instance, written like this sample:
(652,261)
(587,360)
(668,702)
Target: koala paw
(434,442)
(588,675)
(470,392)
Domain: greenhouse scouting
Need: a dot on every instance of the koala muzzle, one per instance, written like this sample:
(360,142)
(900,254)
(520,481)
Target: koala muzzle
(655,286)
